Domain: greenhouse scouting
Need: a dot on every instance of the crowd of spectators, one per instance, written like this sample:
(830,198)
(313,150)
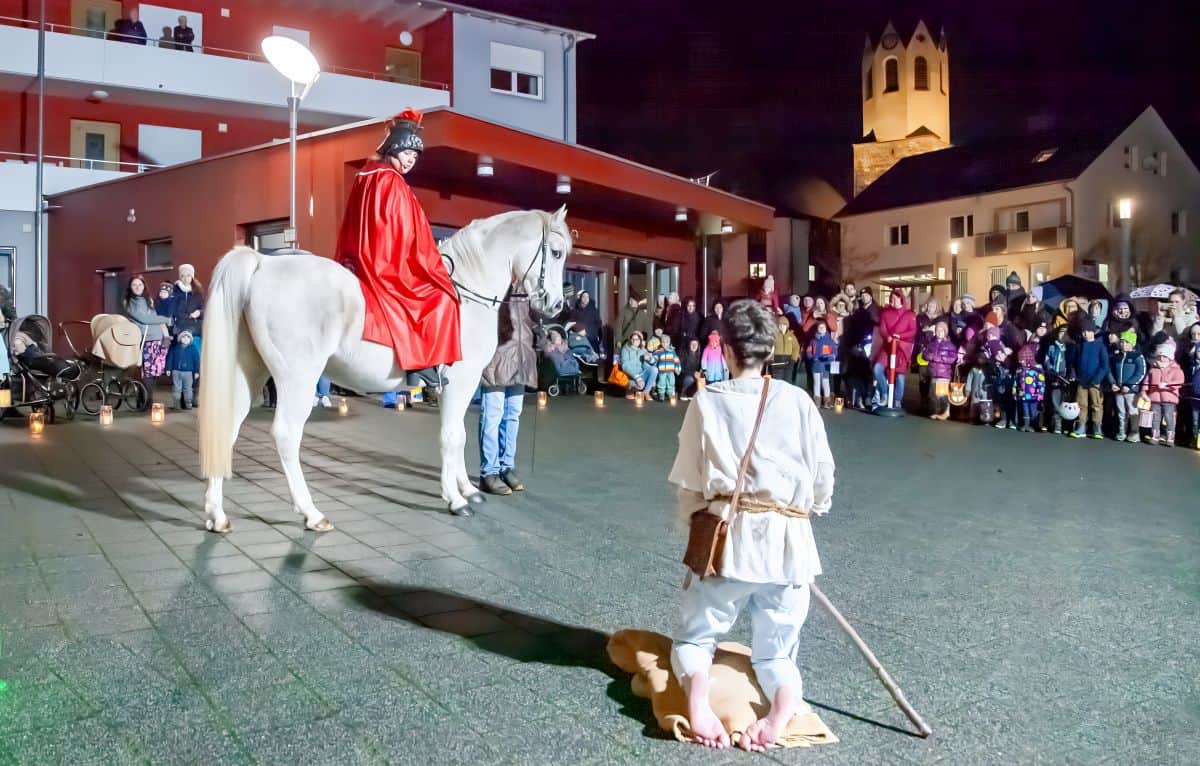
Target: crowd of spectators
(130,29)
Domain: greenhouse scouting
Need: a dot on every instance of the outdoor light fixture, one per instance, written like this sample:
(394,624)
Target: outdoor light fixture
(562,184)
(681,214)
(297,63)
(1125,209)
(485,167)
(953,248)
(726,227)
(157,414)
(406,38)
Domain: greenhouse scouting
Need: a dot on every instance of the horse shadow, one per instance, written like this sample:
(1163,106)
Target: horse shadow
(546,642)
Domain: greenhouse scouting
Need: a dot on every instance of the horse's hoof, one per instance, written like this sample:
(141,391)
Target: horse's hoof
(462,512)
(476,499)
(223,529)
(324,525)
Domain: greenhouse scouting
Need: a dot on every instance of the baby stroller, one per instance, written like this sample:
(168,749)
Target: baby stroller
(114,353)
(40,380)
(557,382)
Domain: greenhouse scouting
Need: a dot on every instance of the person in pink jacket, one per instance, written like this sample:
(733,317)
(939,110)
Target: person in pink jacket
(895,321)
(1161,386)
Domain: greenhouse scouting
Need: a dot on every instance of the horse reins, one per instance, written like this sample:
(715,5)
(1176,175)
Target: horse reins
(494,302)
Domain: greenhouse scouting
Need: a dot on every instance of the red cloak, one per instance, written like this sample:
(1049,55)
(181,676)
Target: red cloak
(386,241)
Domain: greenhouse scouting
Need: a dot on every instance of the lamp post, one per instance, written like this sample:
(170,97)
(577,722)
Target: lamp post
(297,63)
(1125,213)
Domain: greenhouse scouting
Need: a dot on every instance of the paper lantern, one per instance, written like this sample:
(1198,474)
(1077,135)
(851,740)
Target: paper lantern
(37,422)
(106,415)
(157,413)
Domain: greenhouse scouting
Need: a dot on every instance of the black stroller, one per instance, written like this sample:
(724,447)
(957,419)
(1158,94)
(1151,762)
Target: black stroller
(556,383)
(40,380)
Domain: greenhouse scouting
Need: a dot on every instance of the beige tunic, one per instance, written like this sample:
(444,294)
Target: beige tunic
(791,464)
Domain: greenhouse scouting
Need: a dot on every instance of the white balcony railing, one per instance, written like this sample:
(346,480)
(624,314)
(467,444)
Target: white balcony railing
(18,177)
(1030,240)
(75,56)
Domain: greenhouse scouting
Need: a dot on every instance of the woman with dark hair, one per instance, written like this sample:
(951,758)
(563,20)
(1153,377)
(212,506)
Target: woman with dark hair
(586,317)
(770,557)
(139,307)
(187,304)
(713,320)
(689,324)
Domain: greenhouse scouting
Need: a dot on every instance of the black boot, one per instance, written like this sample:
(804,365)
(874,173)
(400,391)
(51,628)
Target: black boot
(494,485)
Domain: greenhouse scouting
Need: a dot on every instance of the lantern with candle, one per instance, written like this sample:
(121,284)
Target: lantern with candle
(37,422)
(106,415)
(599,399)
(700,382)
(674,400)
(543,399)
(157,413)
(838,404)
(5,393)
(639,400)
(401,401)
(343,406)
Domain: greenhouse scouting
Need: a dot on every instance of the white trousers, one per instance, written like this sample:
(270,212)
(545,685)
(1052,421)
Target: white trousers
(820,384)
(777,612)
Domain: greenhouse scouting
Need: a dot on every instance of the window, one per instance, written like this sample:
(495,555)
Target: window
(1179,223)
(1022,220)
(869,86)
(960,282)
(998,274)
(758,271)
(942,77)
(1102,274)
(1039,273)
(158,254)
(8,269)
(920,74)
(402,65)
(898,235)
(517,71)
(891,76)
(962,226)
(1131,158)
(1045,154)
(95,145)
(1114,215)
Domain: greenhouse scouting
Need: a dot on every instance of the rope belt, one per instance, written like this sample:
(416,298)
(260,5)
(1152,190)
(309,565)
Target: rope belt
(754,505)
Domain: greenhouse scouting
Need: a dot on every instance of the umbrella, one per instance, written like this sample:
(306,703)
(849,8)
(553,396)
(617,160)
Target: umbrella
(1054,292)
(1161,292)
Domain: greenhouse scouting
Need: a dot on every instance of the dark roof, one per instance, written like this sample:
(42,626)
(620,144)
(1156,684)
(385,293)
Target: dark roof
(977,168)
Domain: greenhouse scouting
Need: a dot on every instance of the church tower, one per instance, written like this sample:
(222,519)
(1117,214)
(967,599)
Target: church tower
(905,101)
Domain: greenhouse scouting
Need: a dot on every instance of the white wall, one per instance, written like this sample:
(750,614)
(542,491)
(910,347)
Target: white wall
(155,17)
(105,63)
(161,145)
(472,79)
(1107,180)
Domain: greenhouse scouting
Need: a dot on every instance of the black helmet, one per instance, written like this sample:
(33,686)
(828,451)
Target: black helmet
(404,132)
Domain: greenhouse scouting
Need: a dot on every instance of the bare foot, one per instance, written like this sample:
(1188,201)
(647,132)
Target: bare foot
(764,732)
(707,729)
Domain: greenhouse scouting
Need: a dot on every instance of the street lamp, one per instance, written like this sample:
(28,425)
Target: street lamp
(297,63)
(1125,214)
(953,248)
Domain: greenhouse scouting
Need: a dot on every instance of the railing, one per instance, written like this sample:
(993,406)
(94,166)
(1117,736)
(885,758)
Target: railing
(1029,240)
(223,52)
(78,162)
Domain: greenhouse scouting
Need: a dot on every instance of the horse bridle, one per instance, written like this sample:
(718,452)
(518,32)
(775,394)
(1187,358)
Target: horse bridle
(494,302)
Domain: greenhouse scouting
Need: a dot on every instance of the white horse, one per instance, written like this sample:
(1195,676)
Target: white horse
(295,316)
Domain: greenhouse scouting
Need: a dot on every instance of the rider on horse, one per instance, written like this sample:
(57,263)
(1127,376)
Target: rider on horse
(411,304)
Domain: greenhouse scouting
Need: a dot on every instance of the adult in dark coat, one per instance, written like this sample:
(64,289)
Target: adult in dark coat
(672,317)
(1121,319)
(689,324)
(1015,294)
(128,29)
(856,341)
(712,321)
(513,369)
(184,35)
(187,304)
(587,317)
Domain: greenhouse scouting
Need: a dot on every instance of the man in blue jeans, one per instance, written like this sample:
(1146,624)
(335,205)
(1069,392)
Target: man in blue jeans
(512,369)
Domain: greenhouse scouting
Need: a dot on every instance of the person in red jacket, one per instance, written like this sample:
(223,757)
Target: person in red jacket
(1161,386)
(385,239)
(895,321)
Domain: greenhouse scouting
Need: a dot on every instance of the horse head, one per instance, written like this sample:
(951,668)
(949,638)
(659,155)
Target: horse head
(538,271)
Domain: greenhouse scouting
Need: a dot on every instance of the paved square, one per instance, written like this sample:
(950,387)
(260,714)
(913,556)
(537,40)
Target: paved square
(1036,597)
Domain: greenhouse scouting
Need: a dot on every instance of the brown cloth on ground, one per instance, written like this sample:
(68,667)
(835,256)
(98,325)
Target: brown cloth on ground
(735,696)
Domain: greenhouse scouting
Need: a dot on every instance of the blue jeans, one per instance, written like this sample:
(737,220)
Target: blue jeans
(648,375)
(882,383)
(499,420)
(324,385)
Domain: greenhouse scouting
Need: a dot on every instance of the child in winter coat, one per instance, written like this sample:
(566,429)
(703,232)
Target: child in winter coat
(689,367)
(668,367)
(185,368)
(979,385)
(1161,386)
(787,351)
(1192,361)
(1091,371)
(1029,386)
(941,354)
(822,352)
(1002,386)
(712,361)
(1054,364)
(1128,370)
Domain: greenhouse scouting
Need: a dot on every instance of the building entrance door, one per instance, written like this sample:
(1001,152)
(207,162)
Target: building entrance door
(95,16)
(95,145)
(112,292)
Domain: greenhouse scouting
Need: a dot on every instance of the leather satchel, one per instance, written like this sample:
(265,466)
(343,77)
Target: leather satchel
(708,532)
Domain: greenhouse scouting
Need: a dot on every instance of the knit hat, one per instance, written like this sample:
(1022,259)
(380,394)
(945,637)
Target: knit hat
(968,297)
(1129,336)
(1166,348)
(653,344)
(1086,324)
(168,286)
(1122,298)
(185,336)
(1013,279)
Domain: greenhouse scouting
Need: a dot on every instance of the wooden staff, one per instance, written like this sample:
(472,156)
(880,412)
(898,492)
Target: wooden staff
(884,677)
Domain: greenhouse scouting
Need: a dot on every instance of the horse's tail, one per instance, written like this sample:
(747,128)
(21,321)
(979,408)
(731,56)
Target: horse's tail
(219,359)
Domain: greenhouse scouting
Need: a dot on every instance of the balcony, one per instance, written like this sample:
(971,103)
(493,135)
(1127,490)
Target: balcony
(18,176)
(77,62)
(1028,241)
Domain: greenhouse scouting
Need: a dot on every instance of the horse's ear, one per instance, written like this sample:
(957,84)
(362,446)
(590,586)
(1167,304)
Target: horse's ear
(560,215)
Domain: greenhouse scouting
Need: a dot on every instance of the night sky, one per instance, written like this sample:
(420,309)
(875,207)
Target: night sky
(768,91)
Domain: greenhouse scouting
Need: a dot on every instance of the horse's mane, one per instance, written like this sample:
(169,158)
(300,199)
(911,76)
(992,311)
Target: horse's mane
(464,248)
